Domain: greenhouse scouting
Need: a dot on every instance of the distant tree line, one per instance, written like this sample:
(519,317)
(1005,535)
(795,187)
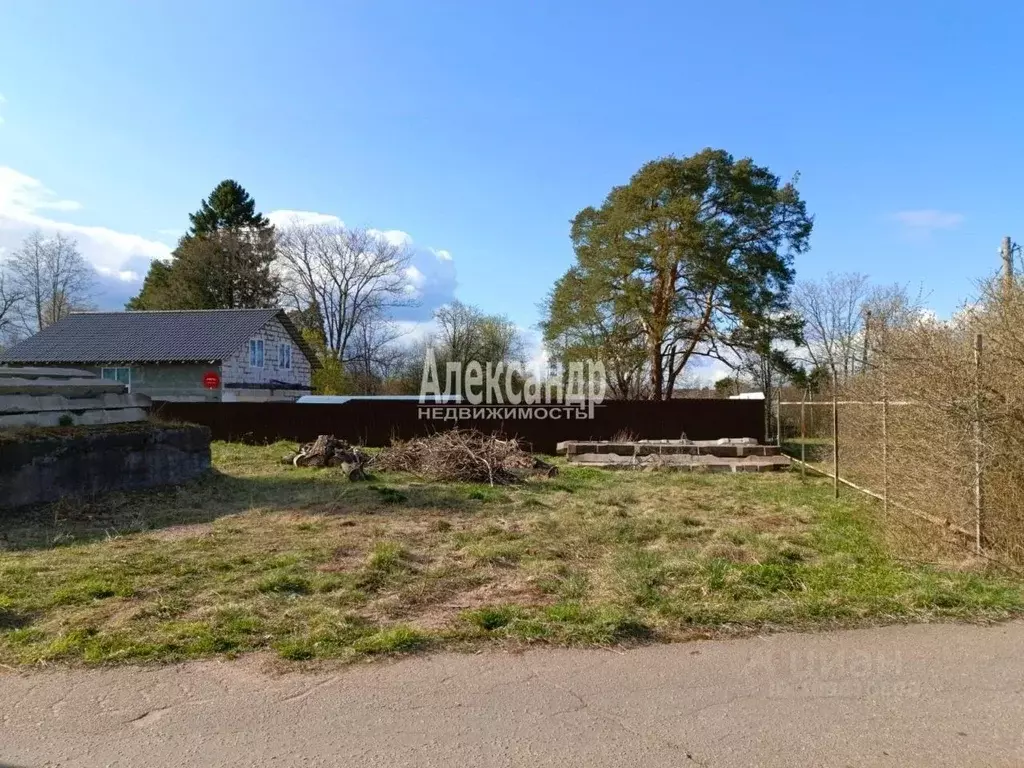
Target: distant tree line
(690,260)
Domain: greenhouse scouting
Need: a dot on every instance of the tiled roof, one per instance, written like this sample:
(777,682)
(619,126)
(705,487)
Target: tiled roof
(178,335)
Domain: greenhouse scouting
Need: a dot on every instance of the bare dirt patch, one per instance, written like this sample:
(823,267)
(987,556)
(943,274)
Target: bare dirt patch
(181,532)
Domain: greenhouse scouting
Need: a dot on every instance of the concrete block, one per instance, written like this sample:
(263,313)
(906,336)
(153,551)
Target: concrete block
(42,372)
(77,387)
(43,468)
(53,418)
(10,404)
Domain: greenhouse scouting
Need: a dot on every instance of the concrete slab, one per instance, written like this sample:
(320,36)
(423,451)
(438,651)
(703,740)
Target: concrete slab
(681,462)
(78,418)
(733,448)
(70,387)
(11,404)
(42,372)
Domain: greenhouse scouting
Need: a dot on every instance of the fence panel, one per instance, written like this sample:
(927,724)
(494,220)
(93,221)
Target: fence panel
(934,427)
(375,423)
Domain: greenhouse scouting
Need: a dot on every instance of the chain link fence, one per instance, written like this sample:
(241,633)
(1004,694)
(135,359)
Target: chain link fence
(932,425)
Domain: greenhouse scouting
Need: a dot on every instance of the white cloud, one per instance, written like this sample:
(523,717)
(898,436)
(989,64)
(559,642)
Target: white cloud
(26,205)
(415,277)
(21,195)
(394,236)
(717,371)
(416,330)
(284,218)
(928,220)
(442,255)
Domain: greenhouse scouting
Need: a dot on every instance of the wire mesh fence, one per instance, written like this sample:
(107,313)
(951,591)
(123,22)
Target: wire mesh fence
(932,425)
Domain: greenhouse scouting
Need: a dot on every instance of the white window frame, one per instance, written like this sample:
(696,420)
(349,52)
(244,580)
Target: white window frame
(115,369)
(257,353)
(284,356)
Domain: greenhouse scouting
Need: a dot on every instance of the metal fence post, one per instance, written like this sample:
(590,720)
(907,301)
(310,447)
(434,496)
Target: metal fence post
(979,499)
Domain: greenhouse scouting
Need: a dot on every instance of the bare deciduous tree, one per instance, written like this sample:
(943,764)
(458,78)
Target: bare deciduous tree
(894,306)
(50,278)
(835,311)
(374,355)
(832,311)
(464,333)
(352,277)
(10,300)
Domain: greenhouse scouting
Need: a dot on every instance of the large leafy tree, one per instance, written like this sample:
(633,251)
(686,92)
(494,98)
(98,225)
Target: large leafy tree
(222,262)
(692,257)
(582,325)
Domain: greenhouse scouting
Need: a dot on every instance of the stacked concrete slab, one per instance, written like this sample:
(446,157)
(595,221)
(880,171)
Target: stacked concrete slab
(50,397)
(725,455)
(38,466)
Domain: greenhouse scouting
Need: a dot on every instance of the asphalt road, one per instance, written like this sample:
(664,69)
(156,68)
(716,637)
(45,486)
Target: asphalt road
(923,695)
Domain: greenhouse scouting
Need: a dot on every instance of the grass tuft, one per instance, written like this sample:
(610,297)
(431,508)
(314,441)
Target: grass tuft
(492,617)
(395,640)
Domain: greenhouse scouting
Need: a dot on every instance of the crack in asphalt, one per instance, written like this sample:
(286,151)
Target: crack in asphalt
(584,705)
(148,718)
(308,690)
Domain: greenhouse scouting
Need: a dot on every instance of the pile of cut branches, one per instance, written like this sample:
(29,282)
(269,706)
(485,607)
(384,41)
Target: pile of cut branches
(462,455)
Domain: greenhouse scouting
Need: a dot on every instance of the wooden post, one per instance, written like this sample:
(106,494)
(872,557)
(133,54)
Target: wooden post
(867,332)
(1006,250)
(803,437)
(835,433)
(979,499)
(768,410)
(778,417)
(885,428)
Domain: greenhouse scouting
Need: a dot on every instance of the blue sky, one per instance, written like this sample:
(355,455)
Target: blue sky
(481,128)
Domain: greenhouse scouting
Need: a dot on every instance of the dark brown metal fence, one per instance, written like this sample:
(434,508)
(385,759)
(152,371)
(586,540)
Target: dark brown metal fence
(375,423)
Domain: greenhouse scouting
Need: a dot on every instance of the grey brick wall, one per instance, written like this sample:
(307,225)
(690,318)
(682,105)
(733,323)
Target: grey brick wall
(236,370)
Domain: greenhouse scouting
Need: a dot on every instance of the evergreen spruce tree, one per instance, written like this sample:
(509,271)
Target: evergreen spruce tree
(222,262)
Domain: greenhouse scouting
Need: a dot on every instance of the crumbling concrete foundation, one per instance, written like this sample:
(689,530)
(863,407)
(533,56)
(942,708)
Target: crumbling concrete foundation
(725,455)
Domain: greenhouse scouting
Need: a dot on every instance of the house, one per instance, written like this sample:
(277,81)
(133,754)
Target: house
(181,355)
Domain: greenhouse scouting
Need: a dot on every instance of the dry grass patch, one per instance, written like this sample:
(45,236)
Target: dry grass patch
(261,556)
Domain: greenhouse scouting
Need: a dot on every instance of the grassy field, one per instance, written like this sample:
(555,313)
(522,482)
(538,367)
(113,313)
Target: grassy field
(261,556)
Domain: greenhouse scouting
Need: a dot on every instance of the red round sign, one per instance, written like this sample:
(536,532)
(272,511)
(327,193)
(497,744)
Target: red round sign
(211,380)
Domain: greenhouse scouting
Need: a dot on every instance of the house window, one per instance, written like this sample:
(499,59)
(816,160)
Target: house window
(256,353)
(284,356)
(123,375)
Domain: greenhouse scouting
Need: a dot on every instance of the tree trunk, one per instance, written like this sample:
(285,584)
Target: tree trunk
(657,372)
